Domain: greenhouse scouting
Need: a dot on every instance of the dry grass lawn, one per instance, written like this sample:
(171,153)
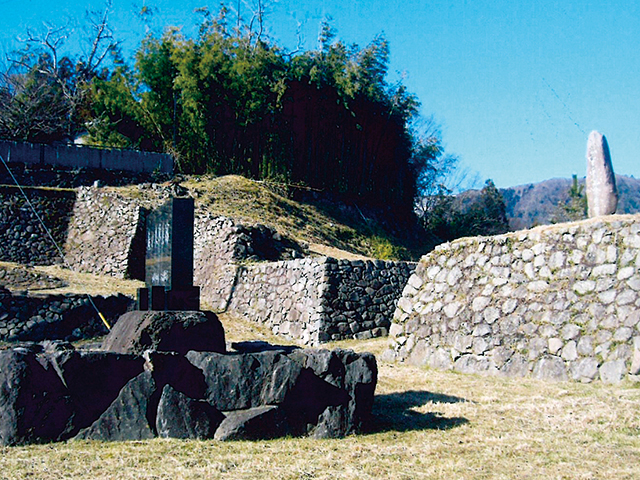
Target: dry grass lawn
(426,424)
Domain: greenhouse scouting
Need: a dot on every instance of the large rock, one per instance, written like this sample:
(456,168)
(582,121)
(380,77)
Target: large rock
(175,370)
(144,404)
(602,195)
(50,394)
(34,405)
(131,416)
(179,416)
(171,331)
(322,393)
(355,375)
(253,424)
(242,381)
(93,380)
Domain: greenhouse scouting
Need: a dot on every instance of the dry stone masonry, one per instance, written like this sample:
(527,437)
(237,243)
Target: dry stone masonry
(106,235)
(221,245)
(557,303)
(32,317)
(22,237)
(314,300)
(321,299)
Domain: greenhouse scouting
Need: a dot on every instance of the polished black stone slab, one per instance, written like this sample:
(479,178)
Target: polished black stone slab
(169,259)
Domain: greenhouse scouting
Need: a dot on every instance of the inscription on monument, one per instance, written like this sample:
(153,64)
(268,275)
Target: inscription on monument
(169,259)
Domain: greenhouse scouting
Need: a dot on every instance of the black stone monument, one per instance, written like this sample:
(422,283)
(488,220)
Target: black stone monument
(169,259)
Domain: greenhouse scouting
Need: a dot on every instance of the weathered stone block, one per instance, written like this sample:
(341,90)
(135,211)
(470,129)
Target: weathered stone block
(550,368)
(93,380)
(131,416)
(257,423)
(34,404)
(613,371)
(585,369)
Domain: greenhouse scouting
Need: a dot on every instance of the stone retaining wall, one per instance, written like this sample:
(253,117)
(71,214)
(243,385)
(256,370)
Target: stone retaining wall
(558,302)
(220,245)
(106,235)
(361,296)
(321,299)
(22,237)
(313,300)
(215,255)
(61,317)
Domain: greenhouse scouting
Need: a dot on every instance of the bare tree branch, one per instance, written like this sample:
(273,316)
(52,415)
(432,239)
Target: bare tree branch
(43,92)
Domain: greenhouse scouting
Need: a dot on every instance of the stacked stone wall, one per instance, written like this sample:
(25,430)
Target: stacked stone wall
(314,300)
(559,302)
(286,296)
(63,317)
(22,236)
(320,299)
(361,296)
(219,245)
(106,235)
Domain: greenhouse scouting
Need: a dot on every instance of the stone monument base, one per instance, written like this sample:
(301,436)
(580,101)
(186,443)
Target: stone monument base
(166,331)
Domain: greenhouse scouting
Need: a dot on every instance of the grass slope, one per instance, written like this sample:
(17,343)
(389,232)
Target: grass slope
(321,224)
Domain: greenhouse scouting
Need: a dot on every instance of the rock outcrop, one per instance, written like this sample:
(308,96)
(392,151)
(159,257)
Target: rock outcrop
(163,331)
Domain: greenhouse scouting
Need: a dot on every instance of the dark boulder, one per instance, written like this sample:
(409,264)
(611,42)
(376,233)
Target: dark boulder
(355,375)
(172,331)
(257,423)
(51,392)
(327,394)
(179,416)
(172,369)
(242,381)
(131,416)
(140,408)
(34,404)
(93,380)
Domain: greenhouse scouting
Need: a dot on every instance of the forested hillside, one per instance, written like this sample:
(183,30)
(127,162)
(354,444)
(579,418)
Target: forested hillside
(538,203)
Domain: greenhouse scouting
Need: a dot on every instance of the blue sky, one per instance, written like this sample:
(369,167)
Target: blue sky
(516,86)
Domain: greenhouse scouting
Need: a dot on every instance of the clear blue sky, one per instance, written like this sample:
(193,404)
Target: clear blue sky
(516,85)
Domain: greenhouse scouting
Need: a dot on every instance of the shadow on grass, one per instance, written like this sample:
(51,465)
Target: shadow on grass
(394,412)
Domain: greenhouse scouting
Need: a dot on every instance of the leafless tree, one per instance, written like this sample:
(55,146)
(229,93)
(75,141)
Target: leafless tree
(42,91)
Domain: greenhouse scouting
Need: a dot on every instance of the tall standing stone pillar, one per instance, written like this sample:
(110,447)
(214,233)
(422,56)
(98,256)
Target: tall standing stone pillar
(602,195)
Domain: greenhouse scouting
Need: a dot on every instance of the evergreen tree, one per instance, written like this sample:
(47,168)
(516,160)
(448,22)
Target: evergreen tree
(575,207)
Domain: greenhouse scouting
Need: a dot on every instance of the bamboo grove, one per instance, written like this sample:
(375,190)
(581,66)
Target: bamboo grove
(231,101)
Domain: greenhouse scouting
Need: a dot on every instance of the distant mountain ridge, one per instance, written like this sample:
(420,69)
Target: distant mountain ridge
(536,203)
